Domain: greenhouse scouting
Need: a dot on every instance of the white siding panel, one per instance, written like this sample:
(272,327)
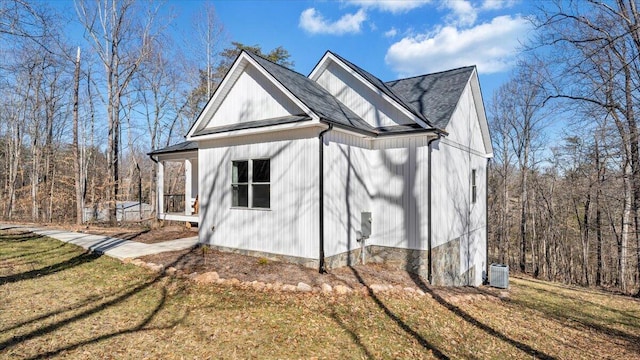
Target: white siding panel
(366,103)
(251,98)
(290,227)
(347,190)
(389,181)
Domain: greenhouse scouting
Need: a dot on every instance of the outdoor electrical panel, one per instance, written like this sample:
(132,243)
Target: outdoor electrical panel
(365,224)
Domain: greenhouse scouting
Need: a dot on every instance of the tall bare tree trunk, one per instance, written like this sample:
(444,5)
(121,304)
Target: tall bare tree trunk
(77,163)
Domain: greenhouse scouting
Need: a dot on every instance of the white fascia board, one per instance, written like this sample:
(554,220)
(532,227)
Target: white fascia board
(324,63)
(225,87)
(482,116)
(258,131)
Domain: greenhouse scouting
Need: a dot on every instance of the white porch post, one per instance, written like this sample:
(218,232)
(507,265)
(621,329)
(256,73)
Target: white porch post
(187,187)
(160,185)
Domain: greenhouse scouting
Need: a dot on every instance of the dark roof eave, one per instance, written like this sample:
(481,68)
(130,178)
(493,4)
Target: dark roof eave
(377,133)
(254,124)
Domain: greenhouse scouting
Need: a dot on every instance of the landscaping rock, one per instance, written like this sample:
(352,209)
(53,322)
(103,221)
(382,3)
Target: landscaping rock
(378,288)
(258,285)
(289,287)
(420,292)
(138,262)
(171,271)
(410,290)
(302,287)
(342,290)
(234,281)
(208,277)
(220,281)
(192,275)
(326,288)
(155,267)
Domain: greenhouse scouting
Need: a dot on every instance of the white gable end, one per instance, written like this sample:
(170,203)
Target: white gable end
(252,97)
(465,126)
(370,105)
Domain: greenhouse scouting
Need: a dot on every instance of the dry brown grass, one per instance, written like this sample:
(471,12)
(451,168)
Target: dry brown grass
(57,300)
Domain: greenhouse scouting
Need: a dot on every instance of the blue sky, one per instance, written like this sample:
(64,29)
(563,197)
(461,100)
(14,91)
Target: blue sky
(390,39)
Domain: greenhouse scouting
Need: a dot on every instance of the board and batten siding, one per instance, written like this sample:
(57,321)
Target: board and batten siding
(362,100)
(290,226)
(385,177)
(252,97)
(454,159)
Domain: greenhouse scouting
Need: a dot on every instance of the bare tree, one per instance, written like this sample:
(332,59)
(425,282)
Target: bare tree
(121,39)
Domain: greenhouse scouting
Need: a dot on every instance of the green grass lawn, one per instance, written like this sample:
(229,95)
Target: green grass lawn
(57,300)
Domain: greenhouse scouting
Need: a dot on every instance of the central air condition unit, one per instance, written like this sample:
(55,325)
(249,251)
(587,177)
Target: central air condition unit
(499,276)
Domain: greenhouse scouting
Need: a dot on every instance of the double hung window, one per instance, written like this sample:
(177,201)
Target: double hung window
(251,183)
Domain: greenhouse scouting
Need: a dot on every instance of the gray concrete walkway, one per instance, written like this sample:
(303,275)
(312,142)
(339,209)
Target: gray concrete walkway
(114,247)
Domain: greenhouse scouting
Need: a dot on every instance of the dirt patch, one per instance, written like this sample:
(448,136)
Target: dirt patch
(249,268)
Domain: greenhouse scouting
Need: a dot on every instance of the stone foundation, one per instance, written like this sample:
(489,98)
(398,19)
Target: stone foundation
(413,261)
(446,265)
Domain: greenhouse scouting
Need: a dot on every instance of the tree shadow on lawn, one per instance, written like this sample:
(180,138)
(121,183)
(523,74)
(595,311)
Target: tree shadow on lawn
(406,328)
(20,237)
(83,258)
(39,253)
(354,336)
(42,331)
(580,320)
(566,295)
(473,321)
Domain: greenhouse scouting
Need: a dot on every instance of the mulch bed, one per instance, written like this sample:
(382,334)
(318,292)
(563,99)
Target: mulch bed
(249,268)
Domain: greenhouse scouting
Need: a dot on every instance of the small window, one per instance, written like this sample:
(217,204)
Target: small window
(260,186)
(251,183)
(474,188)
(240,184)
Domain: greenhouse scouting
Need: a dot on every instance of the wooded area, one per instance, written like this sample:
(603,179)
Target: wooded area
(101,109)
(564,186)
(565,181)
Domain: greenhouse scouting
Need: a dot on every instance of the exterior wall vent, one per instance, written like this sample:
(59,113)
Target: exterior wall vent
(499,276)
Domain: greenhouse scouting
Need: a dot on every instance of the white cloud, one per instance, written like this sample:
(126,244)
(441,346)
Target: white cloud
(391,32)
(462,12)
(313,22)
(491,46)
(392,6)
(497,4)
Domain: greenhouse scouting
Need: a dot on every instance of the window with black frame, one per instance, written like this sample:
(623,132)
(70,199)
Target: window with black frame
(251,183)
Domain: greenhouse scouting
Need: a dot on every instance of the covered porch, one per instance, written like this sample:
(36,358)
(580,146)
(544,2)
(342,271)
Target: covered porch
(177,182)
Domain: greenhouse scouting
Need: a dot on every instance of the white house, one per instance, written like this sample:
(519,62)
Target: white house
(314,169)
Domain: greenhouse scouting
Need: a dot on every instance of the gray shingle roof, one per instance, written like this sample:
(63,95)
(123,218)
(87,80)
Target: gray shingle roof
(434,95)
(319,100)
(431,97)
(180,147)
(254,124)
(382,87)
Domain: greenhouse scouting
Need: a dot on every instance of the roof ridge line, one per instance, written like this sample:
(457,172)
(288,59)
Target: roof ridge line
(433,73)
